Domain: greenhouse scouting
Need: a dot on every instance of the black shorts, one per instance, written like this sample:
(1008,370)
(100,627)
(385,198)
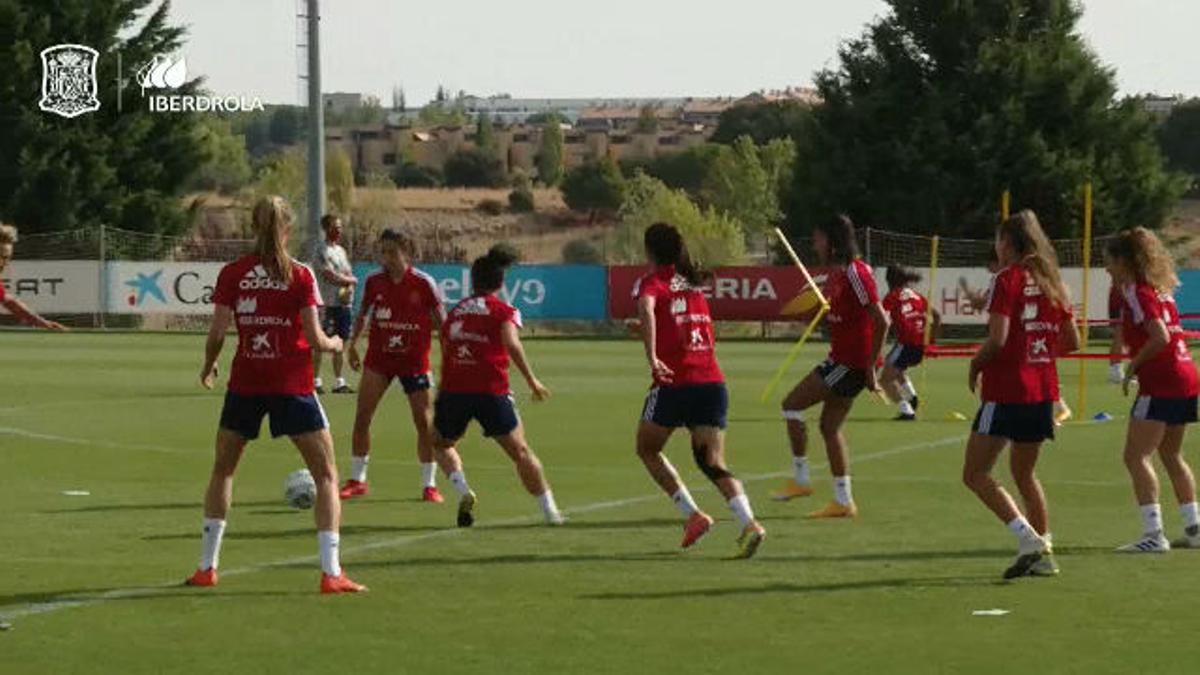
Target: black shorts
(843,381)
(903,357)
(414,383)
(452,413)
(290,415)
(1018,422)
(337,321)
(1172,412)
(691,406)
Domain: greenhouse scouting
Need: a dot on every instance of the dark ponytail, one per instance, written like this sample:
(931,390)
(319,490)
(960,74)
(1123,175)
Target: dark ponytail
(487,272)
(843,245)
(899,276)
(665,246)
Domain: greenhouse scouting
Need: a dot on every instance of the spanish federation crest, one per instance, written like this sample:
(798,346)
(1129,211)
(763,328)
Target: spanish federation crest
(69,80)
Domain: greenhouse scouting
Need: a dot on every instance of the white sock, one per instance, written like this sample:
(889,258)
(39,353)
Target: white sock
(358,468)
(1151,518)
(549,508)
(740,505)
(341,382)
(1060,407)
(1190,513)
(327,540)
(907,390)
(684,502)
(841,490)
(429,474)
(800,470)
(459,480)
(317,382)
(210,543)
(1028,537)
(906,408)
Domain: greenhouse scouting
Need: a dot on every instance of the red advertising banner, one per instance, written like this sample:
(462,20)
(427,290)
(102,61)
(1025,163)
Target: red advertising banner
(737,293)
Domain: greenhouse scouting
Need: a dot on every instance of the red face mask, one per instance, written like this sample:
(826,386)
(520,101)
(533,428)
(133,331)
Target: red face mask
(334,235)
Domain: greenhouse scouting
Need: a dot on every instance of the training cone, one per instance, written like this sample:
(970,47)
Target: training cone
(1103,417)
(956,416)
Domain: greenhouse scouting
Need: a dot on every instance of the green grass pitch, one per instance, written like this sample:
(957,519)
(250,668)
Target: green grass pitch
(87,581)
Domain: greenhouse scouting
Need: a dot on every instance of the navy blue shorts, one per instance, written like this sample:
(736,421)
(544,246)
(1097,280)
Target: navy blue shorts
(452,413)
(1018,422)
(843,381)
(903,357)
(337,321)
(1172,412)
(290,415)
(414,383)
(691,406)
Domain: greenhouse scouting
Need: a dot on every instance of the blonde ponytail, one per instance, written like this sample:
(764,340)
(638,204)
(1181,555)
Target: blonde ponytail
(272,220)
(8,234)
(1029,241)
(1144,254)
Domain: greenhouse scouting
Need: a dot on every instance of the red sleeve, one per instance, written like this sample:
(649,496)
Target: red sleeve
(1002,294)
(863,283)
(368,296)
(3,292)
(434,299)
(889,302)
(306,288)
(1143,303)
(506,313)
(647,286)
(225,294)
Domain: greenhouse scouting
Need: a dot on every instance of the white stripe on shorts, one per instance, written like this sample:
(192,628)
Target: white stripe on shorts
(651,402)
(1141,408)
(986,417)
(324,417)
(836,375)
(894,355)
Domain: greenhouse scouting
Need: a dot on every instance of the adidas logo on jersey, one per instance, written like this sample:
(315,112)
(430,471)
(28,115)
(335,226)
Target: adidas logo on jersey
(384,314)
(258,279)
(679,306)
(247,305)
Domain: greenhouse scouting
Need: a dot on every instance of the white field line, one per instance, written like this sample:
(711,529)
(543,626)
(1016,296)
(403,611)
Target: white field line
(68,601)
(52,438)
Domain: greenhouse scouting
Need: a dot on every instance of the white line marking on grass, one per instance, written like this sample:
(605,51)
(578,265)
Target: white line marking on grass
(52,438)
(70,601)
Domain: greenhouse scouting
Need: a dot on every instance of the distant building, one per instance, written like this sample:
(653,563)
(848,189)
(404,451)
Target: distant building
(1160,106)
(342,102)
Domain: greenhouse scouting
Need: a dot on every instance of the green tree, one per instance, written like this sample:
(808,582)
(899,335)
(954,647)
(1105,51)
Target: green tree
(738,185)
(581,252)
(595,186)
(647,122)
(126,168)
(285,174)
(713,238)
(485,137)
(472,168)
(764,122)
(285,125)
(339,181)
(685,170)
(550,154)
(779,161)
(227,167)
(1179,137)
(939,106)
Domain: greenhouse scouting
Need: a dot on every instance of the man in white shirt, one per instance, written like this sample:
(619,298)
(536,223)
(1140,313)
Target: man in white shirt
(336,280)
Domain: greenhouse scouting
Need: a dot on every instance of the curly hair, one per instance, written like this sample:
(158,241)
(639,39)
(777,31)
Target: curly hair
(8,234)
(1145,256)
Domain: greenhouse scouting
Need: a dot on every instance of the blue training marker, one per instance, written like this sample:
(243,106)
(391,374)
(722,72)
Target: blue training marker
(1103,417)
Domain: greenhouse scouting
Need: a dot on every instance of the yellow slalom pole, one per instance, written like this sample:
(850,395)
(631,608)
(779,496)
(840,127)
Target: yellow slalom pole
(933,268)
(1005,202)
(1087,266)
(794,352)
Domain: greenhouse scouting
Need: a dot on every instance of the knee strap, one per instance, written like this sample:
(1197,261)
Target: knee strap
(714,473)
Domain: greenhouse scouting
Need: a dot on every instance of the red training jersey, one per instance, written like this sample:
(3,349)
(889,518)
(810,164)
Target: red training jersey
(1115,302)
(273,356)
(907,309)
(851,291)
(683,328)
(401,320)
(1024,370)
(474,360)
(3,293)
(1171,374)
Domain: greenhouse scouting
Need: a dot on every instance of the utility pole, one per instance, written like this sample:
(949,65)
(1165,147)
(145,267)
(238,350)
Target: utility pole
(316,124)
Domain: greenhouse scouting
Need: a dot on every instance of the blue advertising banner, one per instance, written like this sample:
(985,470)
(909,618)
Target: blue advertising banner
(576,292)
(1187,296)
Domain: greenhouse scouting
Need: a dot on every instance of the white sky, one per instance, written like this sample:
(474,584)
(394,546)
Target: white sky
(544,48)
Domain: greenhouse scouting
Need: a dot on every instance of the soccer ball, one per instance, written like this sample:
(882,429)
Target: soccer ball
(300,490)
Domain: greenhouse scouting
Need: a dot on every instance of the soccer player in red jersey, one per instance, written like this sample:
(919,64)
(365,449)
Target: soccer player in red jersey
(8,238)
(907,310)
(858,326)
(273,301)
(402,304)
(1116,364)
(689,388)
(479,337)
(1167,384)
(1029,325)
